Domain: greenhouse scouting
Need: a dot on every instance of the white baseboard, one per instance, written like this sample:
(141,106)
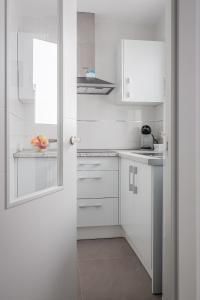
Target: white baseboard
(84,233)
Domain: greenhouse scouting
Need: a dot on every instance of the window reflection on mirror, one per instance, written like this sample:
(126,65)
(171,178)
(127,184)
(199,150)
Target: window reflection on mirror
(45,81)
(32,98)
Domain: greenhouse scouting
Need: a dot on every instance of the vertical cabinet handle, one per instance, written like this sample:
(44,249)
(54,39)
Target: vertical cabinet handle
(130,178)
(128,85)
(132,174)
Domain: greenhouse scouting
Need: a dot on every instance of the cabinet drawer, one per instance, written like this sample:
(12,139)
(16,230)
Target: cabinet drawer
(97,163)
(97,212)
(97,184)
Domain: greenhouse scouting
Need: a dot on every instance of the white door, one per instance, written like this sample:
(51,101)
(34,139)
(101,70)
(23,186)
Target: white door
(38,238)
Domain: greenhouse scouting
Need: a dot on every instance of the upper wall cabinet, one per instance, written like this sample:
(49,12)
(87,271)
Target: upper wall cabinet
(141,72)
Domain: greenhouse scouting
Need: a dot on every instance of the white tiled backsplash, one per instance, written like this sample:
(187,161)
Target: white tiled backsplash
(104,125)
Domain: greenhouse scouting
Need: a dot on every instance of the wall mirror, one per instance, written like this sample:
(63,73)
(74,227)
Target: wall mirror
(34,121)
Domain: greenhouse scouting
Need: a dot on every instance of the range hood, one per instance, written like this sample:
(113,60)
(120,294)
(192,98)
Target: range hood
(87,83)
(93,86)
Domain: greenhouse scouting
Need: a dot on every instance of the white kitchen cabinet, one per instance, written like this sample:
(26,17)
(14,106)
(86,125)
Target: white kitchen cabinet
(25,67)
(141,215)
(97,212)
(97,184)
(98,164)
(141,73)
(98,191)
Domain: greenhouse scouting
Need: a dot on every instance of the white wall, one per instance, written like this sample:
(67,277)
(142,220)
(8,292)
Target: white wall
(188,181)
(115,126)
(38,246)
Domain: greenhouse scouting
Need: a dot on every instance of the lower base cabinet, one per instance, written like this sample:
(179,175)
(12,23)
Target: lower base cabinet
(141,215)
(97,212)
(98,191)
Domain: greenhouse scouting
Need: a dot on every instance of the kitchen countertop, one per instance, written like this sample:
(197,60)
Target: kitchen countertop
(135,155)
(130,154)
(97,153)
(145,159)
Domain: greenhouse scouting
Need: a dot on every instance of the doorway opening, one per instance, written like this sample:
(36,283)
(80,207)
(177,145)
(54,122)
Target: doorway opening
(124,55)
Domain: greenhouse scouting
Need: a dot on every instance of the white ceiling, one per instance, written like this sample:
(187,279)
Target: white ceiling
(37,7)
(137,11)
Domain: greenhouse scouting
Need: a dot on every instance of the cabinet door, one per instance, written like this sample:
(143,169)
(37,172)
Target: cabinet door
(97,184)
(143,71)
(137,209)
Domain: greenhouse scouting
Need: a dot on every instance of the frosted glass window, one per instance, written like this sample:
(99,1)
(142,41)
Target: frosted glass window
(45,81)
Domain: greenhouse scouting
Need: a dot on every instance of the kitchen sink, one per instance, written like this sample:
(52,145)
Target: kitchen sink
(157,155)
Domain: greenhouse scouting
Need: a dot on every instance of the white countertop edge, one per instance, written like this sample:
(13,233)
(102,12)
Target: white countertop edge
(153,161)
(130,154)
(137,155)
(97,154)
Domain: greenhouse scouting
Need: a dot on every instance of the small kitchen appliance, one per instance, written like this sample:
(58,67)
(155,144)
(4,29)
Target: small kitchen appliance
(147,138)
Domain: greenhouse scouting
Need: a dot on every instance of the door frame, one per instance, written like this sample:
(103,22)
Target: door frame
(170,212)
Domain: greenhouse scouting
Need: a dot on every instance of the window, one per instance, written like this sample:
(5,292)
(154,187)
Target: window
(45,81)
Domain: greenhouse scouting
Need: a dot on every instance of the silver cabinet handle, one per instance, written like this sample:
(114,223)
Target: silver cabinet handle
(89,178)
(130,178)
(92,205)
(132,173)
(89,164)
(74,140)
(135,189)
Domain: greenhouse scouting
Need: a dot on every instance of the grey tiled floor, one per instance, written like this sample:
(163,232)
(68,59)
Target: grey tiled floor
(108,269)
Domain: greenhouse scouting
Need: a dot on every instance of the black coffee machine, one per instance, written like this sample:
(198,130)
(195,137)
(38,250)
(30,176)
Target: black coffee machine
(147,138)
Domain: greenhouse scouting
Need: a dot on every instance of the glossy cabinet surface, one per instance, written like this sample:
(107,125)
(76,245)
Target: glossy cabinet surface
(141,215)
(141,72)
(98,164)
(97,184)
(98,191)
(136,209)
(97,212)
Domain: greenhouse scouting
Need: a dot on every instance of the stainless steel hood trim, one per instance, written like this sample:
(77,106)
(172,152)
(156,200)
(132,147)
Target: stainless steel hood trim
(87,92)
(91,84)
